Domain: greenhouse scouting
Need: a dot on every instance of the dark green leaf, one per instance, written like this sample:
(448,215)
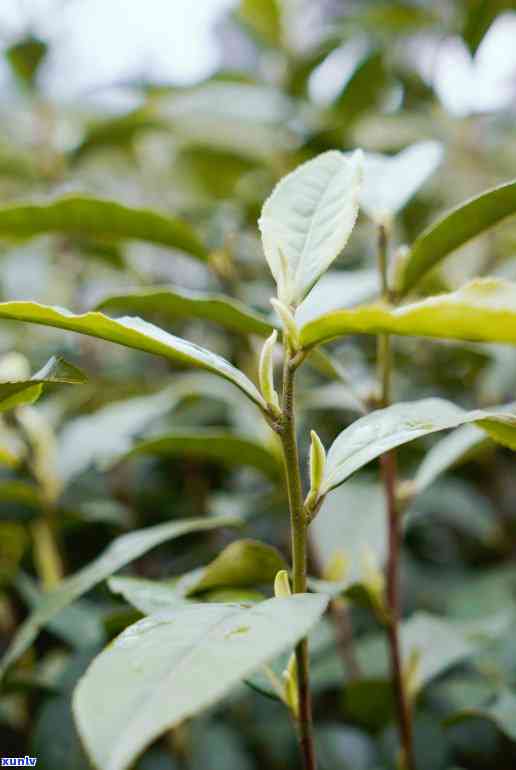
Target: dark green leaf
(362,91)
(83,215)
(217,446)
(263,17)
(206,172)
(456,228)
(396,18)
(172,303)
(501,711)
(115,132)
(55,742)
(243,563)
(479,15)
(25,57)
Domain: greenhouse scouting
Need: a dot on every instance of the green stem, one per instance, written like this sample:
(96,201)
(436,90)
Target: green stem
(46,554)
(389,476)
(384,364)
(298,531)
(383,266)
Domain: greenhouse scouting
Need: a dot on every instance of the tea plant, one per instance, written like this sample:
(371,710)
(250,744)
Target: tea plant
(186,654)
(200,543)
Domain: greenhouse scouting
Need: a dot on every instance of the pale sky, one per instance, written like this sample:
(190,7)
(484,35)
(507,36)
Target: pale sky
(96,43)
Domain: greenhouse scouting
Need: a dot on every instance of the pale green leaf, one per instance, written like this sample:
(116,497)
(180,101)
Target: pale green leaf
(242,118)
(449,452)
(351,522)
(147,596)
(218,446)
(169,666)
(336,290)
(87,216)
(118,423)
(391,181)
(456,228)
(121,422)
(41,439)
(435,642)
(133,333)
(122,550)
(79,624)
(384,429)
(307,221)
(483,310)
(173,303)
(334,395)
(150,596)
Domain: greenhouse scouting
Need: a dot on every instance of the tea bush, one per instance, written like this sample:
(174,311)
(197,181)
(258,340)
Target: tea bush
(230,537)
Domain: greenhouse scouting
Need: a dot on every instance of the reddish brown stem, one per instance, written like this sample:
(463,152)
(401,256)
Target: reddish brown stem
(305,707)
(389,473)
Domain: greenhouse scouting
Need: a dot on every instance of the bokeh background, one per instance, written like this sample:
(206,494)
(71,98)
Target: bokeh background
(196,110)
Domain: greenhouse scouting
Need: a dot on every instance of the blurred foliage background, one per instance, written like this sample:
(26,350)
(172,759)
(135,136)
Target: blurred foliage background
(295,78)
